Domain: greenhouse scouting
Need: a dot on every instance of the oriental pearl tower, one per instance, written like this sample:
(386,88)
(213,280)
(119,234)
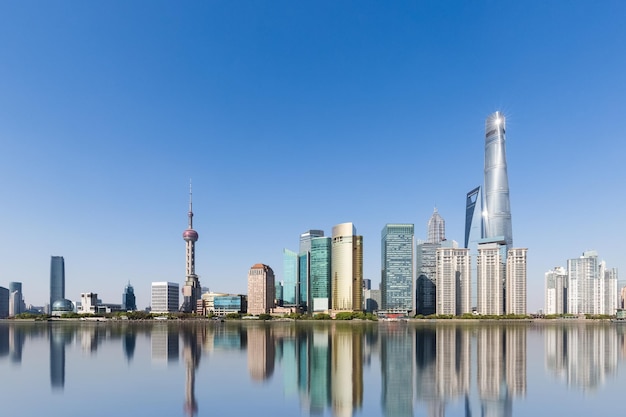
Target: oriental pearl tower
(191,290)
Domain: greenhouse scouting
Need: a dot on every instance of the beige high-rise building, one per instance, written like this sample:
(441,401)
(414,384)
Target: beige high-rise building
(515,283)
(490,278)
(260,289)
(453,281)
(346,269)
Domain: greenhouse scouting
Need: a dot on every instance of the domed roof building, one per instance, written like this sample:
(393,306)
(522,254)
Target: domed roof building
(62,306)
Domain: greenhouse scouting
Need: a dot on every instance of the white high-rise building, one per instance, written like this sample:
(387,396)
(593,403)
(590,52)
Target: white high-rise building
(346,269)
(515,282)
(556,291)
(453,281)
(165,297)
(490,278)
(592,289)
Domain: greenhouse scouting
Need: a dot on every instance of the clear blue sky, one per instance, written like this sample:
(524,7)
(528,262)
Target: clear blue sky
(292,116)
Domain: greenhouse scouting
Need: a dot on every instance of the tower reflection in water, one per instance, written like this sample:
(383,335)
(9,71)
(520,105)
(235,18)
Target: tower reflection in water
(59,336)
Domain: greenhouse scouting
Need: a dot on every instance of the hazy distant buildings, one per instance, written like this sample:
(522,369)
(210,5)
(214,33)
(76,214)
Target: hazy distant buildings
(592,287)
(436,228)
(260,289)
(320,271)
(4,303)
(556,291)
(16,299)
(453,281)
(128,298)
(164,297)
(57,279)
(346,268)
(397,267)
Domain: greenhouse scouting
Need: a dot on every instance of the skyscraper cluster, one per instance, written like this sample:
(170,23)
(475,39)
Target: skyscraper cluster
(499,268)
(487,275)
(326,274)
(587,286)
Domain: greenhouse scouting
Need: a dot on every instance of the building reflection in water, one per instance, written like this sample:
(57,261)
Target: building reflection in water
(192,350)
(164,343)
(396,360)
(59,336)
(477,369)
(129,341)
(581,355)
(261,352)
(17,336)
(4,341)
(346,369)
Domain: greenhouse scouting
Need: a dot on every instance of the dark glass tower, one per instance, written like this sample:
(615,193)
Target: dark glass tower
(128,298)
(57,279)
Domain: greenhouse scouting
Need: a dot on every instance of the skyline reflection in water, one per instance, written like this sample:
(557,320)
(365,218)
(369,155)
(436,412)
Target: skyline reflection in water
(340,369)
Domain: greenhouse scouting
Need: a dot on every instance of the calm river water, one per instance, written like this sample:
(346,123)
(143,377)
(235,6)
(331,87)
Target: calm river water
(311,368)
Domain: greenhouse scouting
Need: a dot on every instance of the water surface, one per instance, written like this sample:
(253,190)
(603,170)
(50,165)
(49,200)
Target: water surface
(311,368)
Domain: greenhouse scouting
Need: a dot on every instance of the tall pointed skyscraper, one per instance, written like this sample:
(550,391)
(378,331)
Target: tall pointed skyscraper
(191,290)
(436,228)
(497,209)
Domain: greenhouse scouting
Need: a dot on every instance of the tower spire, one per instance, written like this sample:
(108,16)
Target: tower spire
(190,206)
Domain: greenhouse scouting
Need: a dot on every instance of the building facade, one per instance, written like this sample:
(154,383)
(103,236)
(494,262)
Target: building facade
(491,267)
(453,281)
(260,289)
(515,283)
(397,267)
(57,279)
(164,297)
(88,303)
(320,270)
(592,288)
(556,291)
(426,282)
(304,269)
(346,269)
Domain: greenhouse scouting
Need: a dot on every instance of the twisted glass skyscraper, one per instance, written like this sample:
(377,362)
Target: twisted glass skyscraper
(497,209)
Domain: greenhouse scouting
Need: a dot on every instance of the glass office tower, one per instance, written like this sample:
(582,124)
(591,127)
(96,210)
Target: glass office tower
(290,278)
(57,279)
(320,273)
(397,266)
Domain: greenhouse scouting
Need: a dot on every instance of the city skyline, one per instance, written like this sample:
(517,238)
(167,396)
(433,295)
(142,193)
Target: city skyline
(375,110)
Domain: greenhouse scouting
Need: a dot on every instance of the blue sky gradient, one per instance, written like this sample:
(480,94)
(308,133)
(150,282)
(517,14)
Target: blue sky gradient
(292,116)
